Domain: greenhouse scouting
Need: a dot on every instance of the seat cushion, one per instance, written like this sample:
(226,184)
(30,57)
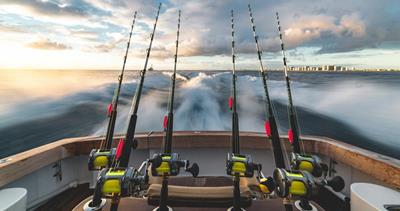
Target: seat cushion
(200,192)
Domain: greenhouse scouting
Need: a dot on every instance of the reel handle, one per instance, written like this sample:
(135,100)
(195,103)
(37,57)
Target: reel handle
(156,161)
(194,169)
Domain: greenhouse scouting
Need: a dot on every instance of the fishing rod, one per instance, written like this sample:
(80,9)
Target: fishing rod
(100,158)
(168,164)
(125,145)
(238,165)
(271,127)
(113,106)
(299,160)
(232,100)
(116,182)
(169,120)
(235,124)
(293,133)
(304,168)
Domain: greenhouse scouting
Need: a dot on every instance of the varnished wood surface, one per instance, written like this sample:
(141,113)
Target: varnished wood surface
(381,167)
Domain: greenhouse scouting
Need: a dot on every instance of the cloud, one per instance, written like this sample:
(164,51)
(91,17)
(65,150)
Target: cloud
(84,34)
(47,44)
(12,28)
(105,48)
(325,26)
(353,25)
(77,8)
(318,27)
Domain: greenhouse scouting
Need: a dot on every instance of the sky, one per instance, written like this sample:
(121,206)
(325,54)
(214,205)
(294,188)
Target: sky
(92,34)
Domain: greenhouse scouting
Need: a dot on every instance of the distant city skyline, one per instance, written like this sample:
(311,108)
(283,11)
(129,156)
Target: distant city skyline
(92,34)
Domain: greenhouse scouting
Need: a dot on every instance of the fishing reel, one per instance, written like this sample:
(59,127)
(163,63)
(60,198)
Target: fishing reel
(99,159)
(114,183)
(241,165)
(302,185)
(170,165)
(309,163)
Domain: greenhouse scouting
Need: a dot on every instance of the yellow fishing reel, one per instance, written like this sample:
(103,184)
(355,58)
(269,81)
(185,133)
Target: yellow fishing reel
(170,165)
(293,183)
(99,159)
(114,183)
(302,183)
(309,163)
(241,165)
(117,182)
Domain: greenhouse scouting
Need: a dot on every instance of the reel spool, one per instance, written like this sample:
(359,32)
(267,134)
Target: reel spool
(309,163)
(293,183)
(241,165)
(99,159)
(170,165)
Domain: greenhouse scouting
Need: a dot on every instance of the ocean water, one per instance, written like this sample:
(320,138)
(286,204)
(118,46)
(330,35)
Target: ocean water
(39,107)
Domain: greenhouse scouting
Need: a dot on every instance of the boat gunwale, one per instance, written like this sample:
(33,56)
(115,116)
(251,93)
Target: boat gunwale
(381,167)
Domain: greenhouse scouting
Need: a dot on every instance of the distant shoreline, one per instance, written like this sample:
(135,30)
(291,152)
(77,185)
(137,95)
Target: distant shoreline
(268,70)
(332,71)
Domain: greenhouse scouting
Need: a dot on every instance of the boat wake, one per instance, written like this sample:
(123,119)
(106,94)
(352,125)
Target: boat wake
(346,110)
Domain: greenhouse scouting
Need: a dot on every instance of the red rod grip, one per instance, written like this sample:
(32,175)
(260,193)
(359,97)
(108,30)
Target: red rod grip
(290,136)
(119,148)
(230,103)
(165,123)
(109,109)
(267,127)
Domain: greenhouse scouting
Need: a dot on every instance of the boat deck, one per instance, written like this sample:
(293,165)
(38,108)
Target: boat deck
(142,205)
